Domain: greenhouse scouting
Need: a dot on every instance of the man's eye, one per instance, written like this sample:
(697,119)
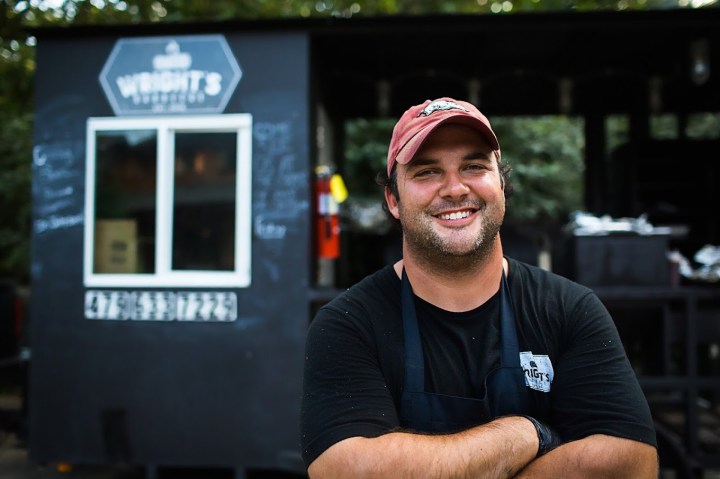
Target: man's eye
(476,166)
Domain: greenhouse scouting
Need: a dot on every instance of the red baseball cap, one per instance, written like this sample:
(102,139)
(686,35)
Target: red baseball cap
(419,121)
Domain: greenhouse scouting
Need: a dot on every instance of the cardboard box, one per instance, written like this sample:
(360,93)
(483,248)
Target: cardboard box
(116,246)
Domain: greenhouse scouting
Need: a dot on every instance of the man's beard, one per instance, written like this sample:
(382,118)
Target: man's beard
(443,253)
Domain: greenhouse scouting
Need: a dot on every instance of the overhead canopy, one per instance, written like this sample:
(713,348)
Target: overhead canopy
(578,63)
(525,63)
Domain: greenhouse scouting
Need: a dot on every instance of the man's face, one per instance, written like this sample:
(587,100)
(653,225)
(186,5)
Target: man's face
(451,201)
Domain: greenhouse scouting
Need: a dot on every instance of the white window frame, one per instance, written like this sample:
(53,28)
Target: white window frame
(166,128)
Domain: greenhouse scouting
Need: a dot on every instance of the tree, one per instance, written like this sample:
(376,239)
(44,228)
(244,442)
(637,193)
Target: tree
(16,77)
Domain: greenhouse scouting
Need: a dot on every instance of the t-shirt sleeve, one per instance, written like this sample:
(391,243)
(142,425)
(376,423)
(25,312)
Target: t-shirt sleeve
(344,392)
(595,389)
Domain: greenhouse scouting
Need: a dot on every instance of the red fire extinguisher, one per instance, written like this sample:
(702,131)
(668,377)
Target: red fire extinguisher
(330,192)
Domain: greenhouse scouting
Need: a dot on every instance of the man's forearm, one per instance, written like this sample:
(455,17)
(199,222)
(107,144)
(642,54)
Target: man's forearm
(595,457)
(495,450)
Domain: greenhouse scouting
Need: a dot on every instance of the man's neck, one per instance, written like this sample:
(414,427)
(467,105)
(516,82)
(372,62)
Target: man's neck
(459,289)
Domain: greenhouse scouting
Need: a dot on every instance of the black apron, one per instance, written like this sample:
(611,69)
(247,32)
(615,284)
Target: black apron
(505,390)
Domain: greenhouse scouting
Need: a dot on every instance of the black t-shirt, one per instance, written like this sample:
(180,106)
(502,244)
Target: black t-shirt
(578,375)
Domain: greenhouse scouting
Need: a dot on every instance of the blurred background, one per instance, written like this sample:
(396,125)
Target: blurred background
(159,265)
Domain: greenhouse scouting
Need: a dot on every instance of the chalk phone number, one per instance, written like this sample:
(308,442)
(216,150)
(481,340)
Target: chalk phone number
(161,305)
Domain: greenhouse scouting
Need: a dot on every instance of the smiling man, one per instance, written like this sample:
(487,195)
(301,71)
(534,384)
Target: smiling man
(457,361)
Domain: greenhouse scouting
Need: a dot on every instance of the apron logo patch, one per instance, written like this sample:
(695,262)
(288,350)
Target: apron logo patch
(538,371)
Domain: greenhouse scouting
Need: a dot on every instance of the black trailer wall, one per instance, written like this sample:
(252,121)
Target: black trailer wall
(191,393)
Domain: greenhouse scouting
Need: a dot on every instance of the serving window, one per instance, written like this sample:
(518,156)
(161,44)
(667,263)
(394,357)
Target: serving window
(168,201)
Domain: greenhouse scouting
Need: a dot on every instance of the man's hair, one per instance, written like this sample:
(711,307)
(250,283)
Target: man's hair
(390,182)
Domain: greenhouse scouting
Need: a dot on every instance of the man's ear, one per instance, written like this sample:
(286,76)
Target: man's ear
(392,203)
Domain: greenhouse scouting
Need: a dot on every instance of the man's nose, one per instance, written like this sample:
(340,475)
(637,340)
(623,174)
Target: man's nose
(454,185)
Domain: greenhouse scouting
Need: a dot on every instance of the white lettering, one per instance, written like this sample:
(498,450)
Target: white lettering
(538,370)
(268,230)
(195,77)
(127,86)
(144,80)
(217,306)
(213,84)
(193,82)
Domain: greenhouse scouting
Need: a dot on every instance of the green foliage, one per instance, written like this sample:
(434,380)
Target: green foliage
(15,149)
(704,126)
(17,65)
(546,156)
(133,11)
(366,154)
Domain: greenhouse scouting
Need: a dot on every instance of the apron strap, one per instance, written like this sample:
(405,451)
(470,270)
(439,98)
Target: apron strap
(510,355)
(414,360)
(506,389)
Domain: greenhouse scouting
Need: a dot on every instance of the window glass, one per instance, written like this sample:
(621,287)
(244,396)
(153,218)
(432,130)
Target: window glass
(125,203)
(168,201)
(204,202)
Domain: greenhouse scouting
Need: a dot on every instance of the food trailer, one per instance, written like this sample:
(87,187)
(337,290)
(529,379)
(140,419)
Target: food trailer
(170,249)
(185,226)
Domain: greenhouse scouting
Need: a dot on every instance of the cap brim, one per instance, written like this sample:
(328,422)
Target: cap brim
(406,154)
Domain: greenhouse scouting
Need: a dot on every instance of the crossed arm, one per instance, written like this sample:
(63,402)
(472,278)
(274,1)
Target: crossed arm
(503,448)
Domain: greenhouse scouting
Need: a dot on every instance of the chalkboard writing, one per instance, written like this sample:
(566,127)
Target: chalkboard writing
(281,184)
(268,229)
(57,186)
(42,225)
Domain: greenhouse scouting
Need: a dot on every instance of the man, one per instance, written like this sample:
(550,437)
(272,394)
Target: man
(457,361)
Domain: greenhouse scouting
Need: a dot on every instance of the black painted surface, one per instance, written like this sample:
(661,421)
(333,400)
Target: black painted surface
(171,393)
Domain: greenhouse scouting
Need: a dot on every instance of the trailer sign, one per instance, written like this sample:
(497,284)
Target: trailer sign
(161,305)
(165,75)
